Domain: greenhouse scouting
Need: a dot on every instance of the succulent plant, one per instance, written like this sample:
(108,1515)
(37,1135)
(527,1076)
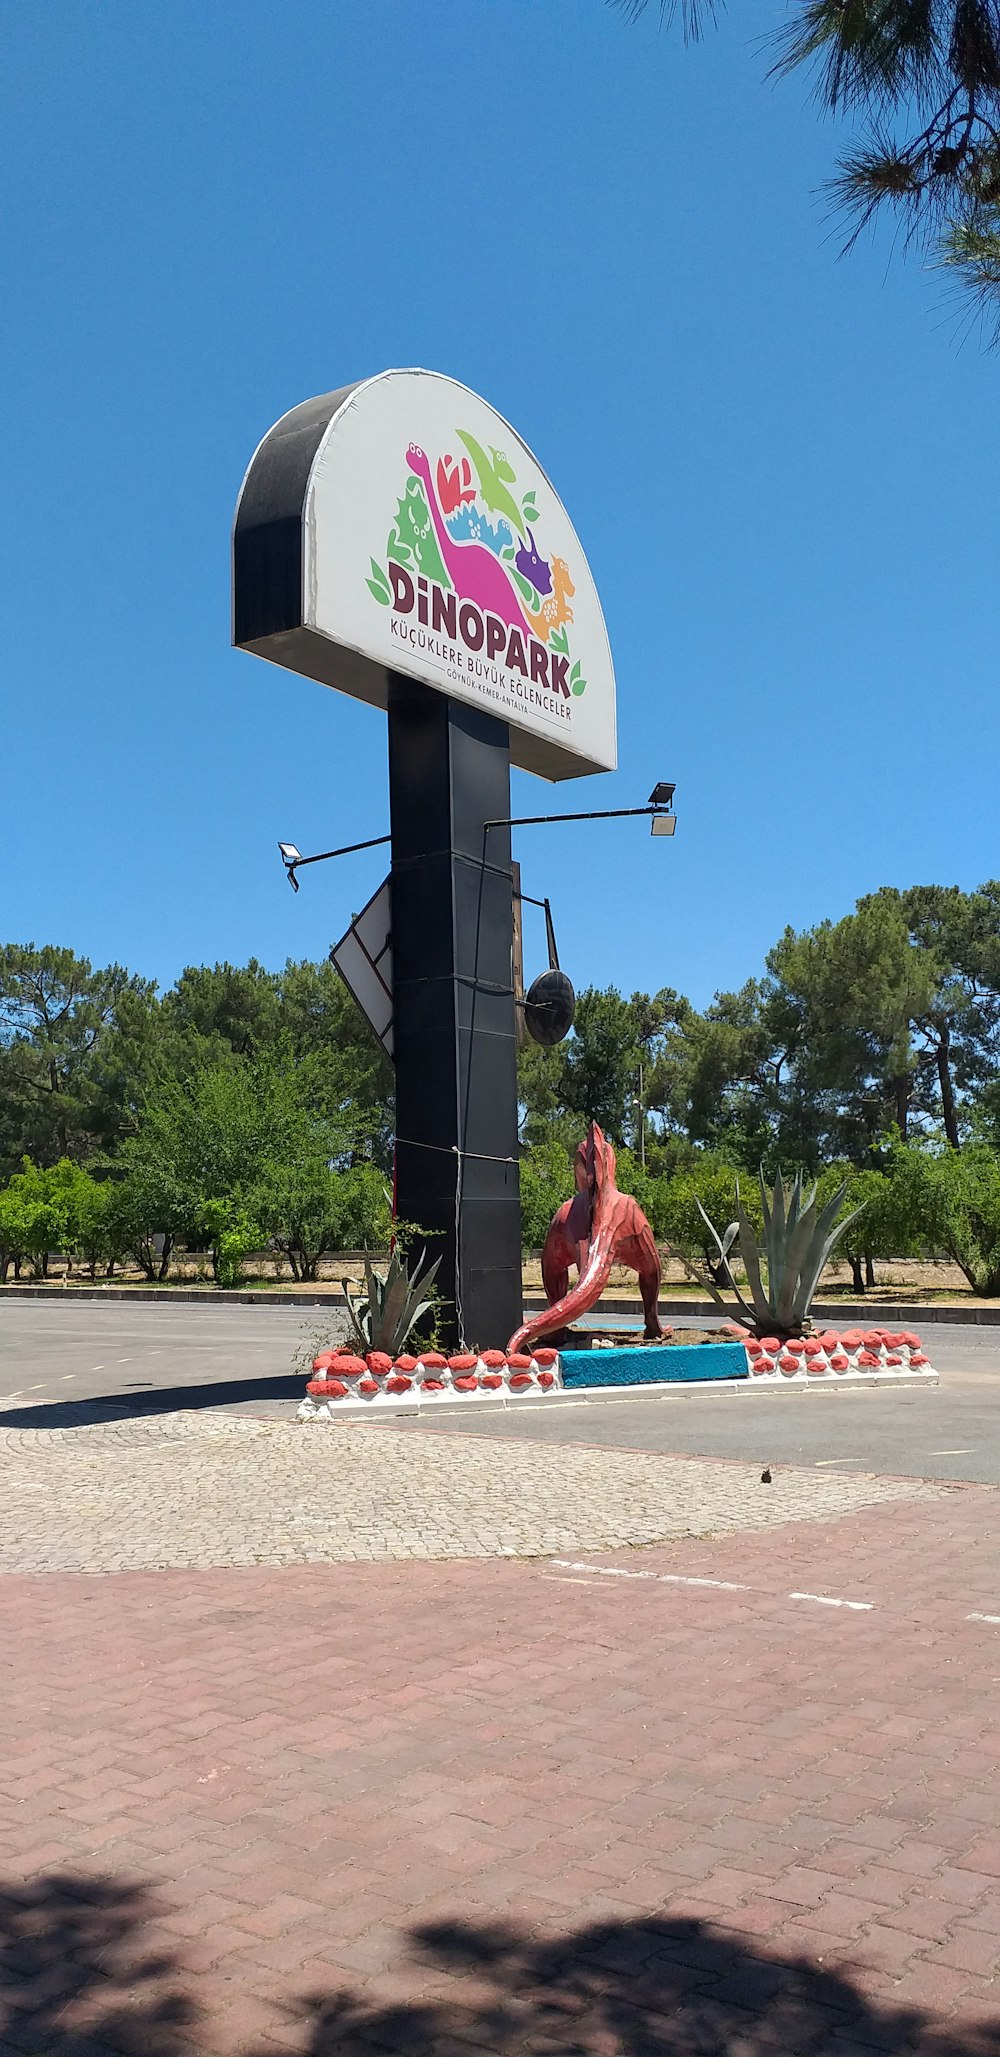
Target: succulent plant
(383,1317)
(799,1238)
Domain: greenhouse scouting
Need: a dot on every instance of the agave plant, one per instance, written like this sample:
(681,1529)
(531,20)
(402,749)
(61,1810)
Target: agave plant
(799,1238)
(383,1317)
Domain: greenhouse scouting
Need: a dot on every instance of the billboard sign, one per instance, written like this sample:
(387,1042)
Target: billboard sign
(401,525)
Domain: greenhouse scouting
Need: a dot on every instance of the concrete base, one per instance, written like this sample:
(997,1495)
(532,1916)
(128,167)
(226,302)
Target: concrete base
(590,1396)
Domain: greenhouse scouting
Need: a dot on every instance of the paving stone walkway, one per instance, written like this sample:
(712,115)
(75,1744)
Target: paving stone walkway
(506,1807)
(201,1490)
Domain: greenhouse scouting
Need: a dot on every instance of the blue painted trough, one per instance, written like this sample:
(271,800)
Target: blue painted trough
(650,1365)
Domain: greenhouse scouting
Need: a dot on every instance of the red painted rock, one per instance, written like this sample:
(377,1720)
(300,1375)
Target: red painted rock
(491,1380)
(519,1362)
(378,1363)
(851,1339)
(521,1378)
(787,1363)
(323,1361)
(461,1363)
(918,1359)
(368,1386)
(407,1365)
(397,1383)
(764,1363)
(327,1388)
(433,1385)
(432,1360)
(465,1384)
(868,1359)
(872,1338)
(734,1328)
(812,1346)
(830,1339)
(754,1346)
(893,1358)
(840,1360)
(771,1343)
(796,1345)
(494,1360)
(816,1367)
(912,1342)
(546,1378)
(545,1356)
(344,1366)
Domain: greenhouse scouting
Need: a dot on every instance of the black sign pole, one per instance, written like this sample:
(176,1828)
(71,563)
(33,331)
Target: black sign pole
(453,1005)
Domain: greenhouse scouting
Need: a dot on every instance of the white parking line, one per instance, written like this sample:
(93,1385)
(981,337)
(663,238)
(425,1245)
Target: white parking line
(826,1600)
(820,1461)
(949,1453)
(603,1570)
(663,1578)
(995,1618)
(724,1585)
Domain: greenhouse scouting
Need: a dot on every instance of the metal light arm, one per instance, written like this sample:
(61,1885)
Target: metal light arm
(294,864)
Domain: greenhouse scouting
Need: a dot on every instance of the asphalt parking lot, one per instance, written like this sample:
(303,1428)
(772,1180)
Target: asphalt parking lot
(67,1364)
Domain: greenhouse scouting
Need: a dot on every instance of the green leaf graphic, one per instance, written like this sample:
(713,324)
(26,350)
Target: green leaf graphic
(378,584)
(575,673)
(578,686)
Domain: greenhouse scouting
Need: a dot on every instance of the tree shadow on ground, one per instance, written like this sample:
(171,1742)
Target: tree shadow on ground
(288,1387)
(79,1975)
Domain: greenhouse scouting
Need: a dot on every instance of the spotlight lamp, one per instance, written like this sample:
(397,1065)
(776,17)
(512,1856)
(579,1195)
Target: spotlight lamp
(662,796)
(290,857)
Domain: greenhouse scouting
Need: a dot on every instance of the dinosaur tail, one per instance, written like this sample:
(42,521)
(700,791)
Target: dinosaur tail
(578,1300)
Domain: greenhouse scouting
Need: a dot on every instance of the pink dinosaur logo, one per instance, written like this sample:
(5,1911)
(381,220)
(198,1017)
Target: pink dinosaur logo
(462,561)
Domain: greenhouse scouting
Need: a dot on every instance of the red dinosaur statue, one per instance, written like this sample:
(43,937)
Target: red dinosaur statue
(599,1227)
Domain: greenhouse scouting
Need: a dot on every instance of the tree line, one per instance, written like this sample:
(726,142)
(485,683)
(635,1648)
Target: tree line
(244,1107)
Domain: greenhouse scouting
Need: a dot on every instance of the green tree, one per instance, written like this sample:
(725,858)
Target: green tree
(546,1182)
(41,1200)
(594,1074)
(206,1147)
(713,1183)
(958,1030)
(955,1198)
(56,1016)
(921,79)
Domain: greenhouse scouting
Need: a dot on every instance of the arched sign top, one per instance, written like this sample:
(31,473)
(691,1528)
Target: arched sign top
(401,525)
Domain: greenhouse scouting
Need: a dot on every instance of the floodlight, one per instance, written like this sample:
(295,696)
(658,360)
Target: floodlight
(663,825)
(289,854)
(662,795)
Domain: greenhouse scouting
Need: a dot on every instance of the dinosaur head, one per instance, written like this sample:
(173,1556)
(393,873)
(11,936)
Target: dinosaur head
(417,461)
(594,1168)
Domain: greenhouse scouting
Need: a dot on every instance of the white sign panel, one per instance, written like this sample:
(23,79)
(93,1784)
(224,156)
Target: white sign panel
(433,544)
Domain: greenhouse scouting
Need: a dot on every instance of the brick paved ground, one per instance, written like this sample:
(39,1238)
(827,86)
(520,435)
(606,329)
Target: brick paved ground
(199,1490)
(493,1806)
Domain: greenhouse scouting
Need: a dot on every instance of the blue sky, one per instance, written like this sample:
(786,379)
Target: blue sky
(781,465)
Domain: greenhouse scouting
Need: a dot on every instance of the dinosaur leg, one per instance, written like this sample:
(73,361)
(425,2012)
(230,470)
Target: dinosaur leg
(641,1254)
(555,1266)
(649,1287)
